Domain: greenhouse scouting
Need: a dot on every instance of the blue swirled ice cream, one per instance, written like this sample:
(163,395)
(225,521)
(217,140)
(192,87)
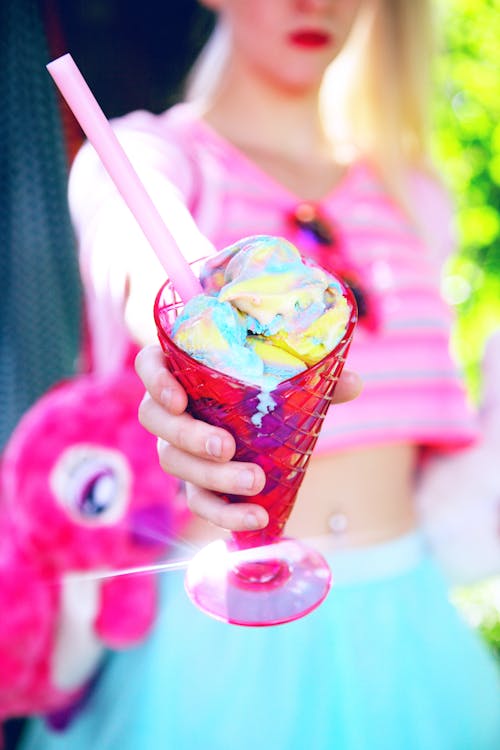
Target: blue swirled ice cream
(265,315)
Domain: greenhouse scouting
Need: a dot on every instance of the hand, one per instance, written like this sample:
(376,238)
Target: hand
(201,454)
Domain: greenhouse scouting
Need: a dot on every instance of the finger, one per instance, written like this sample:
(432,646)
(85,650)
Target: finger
(186,433)
(166,390)
(233,477)
(230,516)
(158,381)
(349,386)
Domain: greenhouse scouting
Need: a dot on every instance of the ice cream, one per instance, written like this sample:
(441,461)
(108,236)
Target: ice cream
(265,316)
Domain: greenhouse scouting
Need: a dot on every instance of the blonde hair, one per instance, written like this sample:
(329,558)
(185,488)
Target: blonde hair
(208,68)
(375,95)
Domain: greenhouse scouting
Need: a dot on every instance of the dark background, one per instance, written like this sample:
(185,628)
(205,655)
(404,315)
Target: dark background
(133,54)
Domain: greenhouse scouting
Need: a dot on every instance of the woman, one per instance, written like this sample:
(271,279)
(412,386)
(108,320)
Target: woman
(385,662)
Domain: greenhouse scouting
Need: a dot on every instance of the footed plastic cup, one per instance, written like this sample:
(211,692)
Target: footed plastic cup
(259,577)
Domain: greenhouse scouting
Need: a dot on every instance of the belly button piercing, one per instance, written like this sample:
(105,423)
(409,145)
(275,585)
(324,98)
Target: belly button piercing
(337,523)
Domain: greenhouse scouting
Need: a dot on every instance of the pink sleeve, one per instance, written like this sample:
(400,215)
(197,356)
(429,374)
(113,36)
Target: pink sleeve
(150,147)
(435,214)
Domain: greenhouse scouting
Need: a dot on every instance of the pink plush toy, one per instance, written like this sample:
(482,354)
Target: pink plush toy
(81,491)
(459,494)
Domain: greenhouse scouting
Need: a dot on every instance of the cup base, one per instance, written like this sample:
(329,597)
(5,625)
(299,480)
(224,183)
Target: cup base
(267,585)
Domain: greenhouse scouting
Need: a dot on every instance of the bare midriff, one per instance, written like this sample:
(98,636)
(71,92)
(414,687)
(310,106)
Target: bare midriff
(361,496)
(349,499)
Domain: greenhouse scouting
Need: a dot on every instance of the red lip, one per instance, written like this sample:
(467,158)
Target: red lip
(310,38)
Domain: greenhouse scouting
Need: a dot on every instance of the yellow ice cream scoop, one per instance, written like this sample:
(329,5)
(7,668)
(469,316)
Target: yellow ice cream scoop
(201,335)
(215,333)
(314,342)
(268,296)
(279,363)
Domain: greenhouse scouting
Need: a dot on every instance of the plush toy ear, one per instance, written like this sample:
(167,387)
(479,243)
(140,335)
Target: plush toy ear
(490,401)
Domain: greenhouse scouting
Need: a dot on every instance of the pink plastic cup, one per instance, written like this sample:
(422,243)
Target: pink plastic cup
(259,577)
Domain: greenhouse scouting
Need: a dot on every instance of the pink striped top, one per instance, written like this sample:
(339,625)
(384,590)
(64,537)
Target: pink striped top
(412,390)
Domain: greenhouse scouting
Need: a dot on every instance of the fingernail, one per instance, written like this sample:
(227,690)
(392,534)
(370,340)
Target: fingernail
(166,397)
(246,479)
(251,521)
(213,446)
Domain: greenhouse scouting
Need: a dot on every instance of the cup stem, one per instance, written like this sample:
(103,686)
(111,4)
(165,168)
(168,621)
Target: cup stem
(261,573)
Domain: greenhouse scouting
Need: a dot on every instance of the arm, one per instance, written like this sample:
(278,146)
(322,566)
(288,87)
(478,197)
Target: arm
(121,277)
(435,214)
(120,272)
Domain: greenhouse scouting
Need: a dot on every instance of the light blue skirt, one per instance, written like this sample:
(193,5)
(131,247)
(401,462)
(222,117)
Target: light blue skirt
(385,663)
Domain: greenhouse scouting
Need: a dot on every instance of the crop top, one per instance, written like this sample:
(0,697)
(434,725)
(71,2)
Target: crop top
(412,389)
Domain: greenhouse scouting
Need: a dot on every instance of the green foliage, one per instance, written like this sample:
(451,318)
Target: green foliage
(467,145)
(480,605)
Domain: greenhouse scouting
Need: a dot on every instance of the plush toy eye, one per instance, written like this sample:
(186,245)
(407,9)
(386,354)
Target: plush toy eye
(97,494)
(92,484)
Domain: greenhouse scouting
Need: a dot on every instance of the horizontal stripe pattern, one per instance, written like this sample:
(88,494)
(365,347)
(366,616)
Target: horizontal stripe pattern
(412,390)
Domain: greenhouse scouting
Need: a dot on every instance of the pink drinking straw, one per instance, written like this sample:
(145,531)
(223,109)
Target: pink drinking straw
(96,127)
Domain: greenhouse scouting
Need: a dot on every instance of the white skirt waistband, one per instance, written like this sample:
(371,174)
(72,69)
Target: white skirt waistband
(374,562)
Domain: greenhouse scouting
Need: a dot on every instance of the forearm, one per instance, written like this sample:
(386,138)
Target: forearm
(120,271)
